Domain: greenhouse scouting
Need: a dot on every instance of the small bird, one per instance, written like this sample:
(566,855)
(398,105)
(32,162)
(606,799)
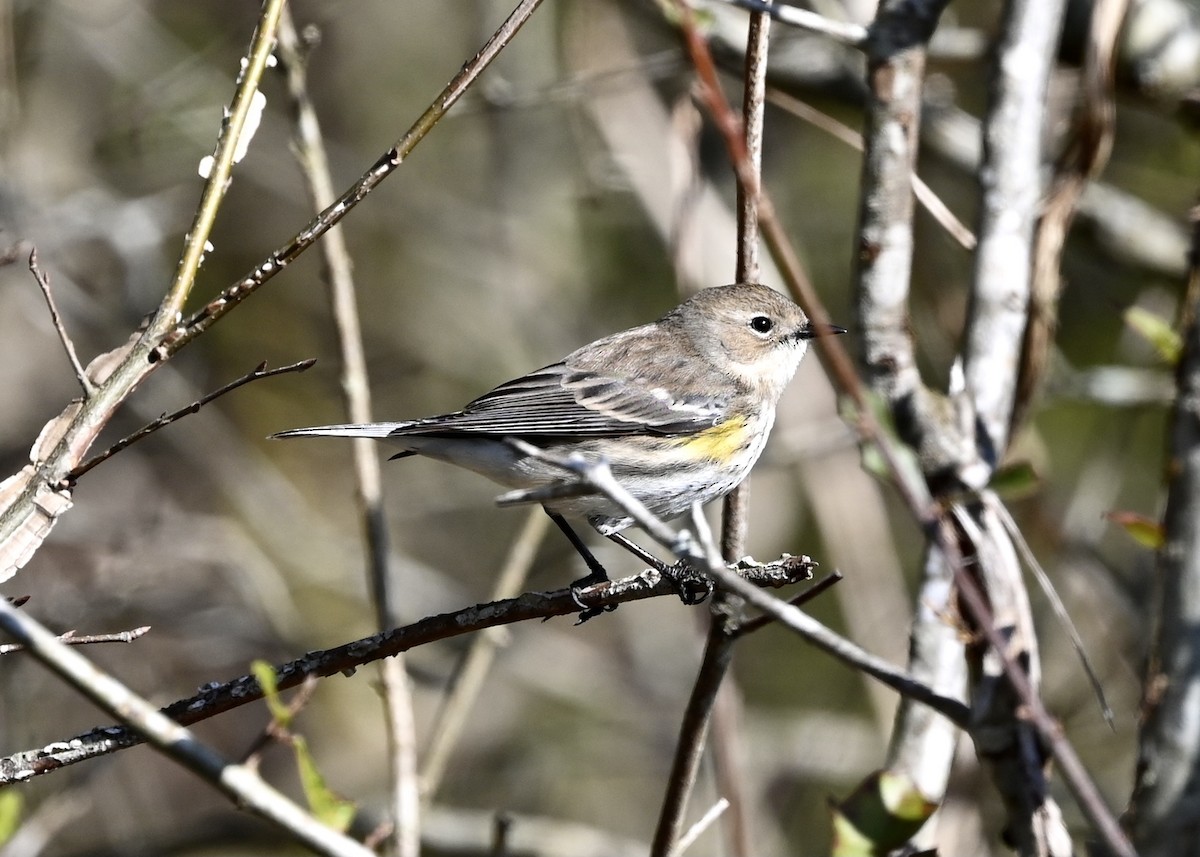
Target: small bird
(679,408)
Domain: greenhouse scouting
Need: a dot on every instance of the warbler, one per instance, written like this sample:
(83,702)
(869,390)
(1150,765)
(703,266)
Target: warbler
(680,409)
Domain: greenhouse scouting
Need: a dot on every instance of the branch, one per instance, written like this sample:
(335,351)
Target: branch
(32,500)
(70,638)
(43,281)
(217,698)
(388,163)
(853,35)
(260,371)
(239,783)
(397,693)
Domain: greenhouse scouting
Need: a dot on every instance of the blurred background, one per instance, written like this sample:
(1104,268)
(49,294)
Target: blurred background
(571,194)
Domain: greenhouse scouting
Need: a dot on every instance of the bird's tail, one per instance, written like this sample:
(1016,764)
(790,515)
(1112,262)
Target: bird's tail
(348,430)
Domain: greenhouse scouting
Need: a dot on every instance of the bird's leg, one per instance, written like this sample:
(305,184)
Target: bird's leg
(596,574)
(692,588)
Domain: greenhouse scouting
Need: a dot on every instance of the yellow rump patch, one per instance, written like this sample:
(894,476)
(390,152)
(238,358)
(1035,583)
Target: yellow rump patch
(718,443)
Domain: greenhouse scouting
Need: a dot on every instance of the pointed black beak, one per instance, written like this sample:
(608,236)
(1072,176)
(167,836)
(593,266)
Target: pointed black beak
(814,329)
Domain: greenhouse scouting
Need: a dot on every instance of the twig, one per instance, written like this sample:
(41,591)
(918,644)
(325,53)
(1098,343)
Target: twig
(1076,776)
(853,35)
(274,730)
(688,752)
(397,695)
(236,781)
(381,169)
(735,518)
(43,281)
(260,371)
(925,195)
(694,832)
(749,626)
(217,698)
(38,498)
(998,508)
(468,680)
(222,168)
(70,638)
(597,476)
(832,353)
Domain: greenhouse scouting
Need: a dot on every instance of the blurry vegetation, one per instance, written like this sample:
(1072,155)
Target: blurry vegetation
(512,236)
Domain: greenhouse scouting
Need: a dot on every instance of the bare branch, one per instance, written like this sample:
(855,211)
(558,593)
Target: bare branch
(216,698)
(845,32)
(70,638)
(1011,183)
(259,372)
(693,833)
(381,169)
(237,782)
(468,679)
(397,693)
(43,281)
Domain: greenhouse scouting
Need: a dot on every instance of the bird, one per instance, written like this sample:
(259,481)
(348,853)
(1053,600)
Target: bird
(680,410)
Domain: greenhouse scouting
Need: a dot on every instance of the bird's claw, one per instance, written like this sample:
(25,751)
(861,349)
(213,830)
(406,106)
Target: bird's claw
(691,586)
(586,612)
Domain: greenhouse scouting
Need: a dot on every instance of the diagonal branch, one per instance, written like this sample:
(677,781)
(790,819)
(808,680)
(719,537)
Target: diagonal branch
(239,783)
(217,698)
(43,281)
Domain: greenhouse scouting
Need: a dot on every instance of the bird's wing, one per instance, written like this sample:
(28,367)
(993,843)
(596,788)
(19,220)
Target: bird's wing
(560,400)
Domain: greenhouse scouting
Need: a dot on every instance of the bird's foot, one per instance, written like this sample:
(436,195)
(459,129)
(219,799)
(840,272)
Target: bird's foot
(586,612)
(693,587)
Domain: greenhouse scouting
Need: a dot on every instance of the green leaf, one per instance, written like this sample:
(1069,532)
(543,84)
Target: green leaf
(264,673)
(11,804)
(1157,331)
(883,813)
(1015,481)
(1147,532)
(330,809)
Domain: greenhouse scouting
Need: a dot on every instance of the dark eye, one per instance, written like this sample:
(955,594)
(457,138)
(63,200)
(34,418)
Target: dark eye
(761,324)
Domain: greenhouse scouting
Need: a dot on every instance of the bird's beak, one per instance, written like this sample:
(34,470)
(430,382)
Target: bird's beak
(814,329)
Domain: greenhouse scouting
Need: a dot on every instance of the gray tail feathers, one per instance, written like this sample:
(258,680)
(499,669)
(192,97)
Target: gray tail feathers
(350,430)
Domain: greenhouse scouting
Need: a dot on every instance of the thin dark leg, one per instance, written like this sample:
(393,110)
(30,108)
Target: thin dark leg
(597,572)
(640,552)
(692,588)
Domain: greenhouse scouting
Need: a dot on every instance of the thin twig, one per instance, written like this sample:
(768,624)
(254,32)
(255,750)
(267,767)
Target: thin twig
(693,833)
(853,35)
(274,730)
(228,143)
(469,677)
(70,638)
(27,518)
(688,752)
(597,476)
(381,169)
(735,518)
(236,781)
(259,372)
(749,626)
(1075,774)
(925,195)
(993,502)
(43,281)
(217,698)
(397,693)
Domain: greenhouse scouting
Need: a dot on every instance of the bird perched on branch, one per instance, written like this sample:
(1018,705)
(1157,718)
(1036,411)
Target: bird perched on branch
(680,409)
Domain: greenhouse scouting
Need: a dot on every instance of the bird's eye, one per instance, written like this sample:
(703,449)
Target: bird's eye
(761,324)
